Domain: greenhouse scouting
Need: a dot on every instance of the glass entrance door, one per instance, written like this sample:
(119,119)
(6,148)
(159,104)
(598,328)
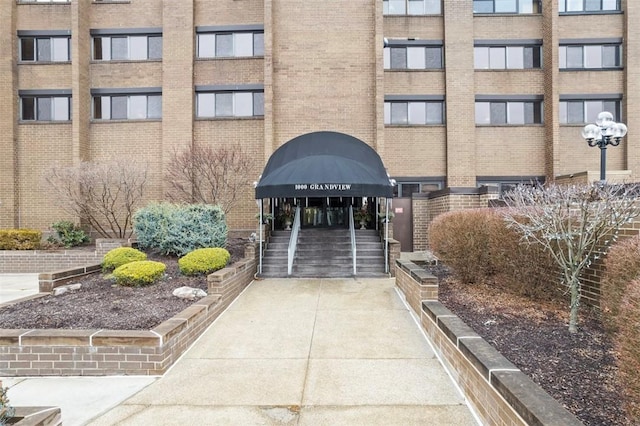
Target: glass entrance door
(325,212)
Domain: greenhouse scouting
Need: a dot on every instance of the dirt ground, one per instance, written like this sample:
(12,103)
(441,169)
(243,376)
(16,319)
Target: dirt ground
(577,369)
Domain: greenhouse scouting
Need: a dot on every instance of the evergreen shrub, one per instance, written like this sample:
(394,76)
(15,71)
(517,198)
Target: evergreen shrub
(139,273)
(121,256)
(621,267)
(20,239)
(176,229)
(68,233)
(204,261)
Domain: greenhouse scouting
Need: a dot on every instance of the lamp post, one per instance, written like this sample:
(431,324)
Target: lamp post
(604,132)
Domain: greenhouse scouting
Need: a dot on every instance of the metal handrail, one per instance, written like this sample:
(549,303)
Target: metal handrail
(352,232)
(293,241)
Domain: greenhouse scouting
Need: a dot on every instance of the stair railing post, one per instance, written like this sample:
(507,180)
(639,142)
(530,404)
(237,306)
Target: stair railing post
(293,241)
(352,233)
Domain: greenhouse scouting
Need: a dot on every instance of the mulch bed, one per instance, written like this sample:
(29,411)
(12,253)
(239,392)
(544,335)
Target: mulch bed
(578,370)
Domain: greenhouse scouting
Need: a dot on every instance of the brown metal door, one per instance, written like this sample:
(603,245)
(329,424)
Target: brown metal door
(403,223)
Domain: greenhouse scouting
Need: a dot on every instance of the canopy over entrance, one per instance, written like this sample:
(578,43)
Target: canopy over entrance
(324,164)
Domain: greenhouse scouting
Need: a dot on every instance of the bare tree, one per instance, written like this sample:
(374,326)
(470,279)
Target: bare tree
(575,224)
(104,195)
(204,174)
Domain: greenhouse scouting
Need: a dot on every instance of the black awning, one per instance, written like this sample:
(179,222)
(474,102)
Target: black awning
(324,164)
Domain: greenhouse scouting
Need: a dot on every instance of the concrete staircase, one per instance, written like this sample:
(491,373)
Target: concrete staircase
(325,253)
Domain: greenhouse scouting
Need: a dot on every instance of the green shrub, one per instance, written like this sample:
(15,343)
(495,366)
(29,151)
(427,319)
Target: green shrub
(68,233)
(20,239)
(621,267)
(180,229)
(203,261)
(479,247)
(139,273)
(121,256)
(628,347)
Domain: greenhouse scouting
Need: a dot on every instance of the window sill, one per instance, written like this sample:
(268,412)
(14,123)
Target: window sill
(255,117)
(413,126)
(111,1)
(227,58)
(124,61)
(132,120)
(506,69)
(505,14)
(40,3)
(394,70)
(44,62)
(591,69)
(592,12)
(41,122)
(509,125)
(399,15)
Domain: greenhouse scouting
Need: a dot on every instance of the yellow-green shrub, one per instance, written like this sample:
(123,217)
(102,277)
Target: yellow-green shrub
(628,348)
(622,266)
(203,261)
(20,239)
(121,256)
(139,273)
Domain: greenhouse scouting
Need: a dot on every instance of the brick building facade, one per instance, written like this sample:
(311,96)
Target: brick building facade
(451,94)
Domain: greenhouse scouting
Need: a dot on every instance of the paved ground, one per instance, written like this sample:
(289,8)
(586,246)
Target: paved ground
(17,286)
(287,352)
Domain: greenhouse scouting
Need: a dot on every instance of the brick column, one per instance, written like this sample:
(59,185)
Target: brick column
(178,38)
(9,113)
(550,42)
(631,101)
(269,53)
(459,79)
(81,98)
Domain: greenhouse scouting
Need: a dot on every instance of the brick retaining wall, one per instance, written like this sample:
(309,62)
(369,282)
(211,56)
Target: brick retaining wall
(497,390)
(45,352)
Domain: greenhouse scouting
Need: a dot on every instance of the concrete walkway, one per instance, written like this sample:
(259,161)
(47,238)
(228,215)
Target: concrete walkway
(304,352)
(17,286)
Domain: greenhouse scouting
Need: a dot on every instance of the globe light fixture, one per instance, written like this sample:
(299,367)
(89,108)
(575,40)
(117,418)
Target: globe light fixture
(604,132)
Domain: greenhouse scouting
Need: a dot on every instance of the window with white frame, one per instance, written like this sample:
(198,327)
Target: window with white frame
(45,106)
(228,103)
(110,105)
(419,55)
(413,110)
(507,56)
(590,56)
(507,6)
(230,44)
(514,112)
(412,7)
(108,46)
(45,48)
(581,111)
(586,6)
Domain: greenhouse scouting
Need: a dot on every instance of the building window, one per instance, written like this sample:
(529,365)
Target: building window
(127,106)
(127,47)
(407,188)
(230,44)
(45,108)
(507,57)
(413,57)
(568,6)
(411,7)
(414,113)
(581,111)
(507,6)
(505,112)
(45,49)
(230,104)
(590,56)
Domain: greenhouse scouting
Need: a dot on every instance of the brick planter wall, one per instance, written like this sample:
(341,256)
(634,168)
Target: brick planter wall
(496,389)
(43,352)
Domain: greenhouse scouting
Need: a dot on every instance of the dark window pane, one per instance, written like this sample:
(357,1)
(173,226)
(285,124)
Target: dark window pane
(433,57)
(224,45)
(575,112)
(27,49)
(434,113)
(398,58)
(28,108)
(258,44)
(409,188)
(613,107)
(399,113)
(119,48)
(498,113)
(154,108)
(98,53)
(258,103)
(44,109)
(119,107)
(224,104)
(97,107)
(44,49)
(155,47)
(610,56)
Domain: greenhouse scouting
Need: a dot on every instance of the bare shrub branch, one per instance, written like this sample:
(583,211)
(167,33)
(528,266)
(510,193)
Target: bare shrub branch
(104,195)
(204,174)
(575,224)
